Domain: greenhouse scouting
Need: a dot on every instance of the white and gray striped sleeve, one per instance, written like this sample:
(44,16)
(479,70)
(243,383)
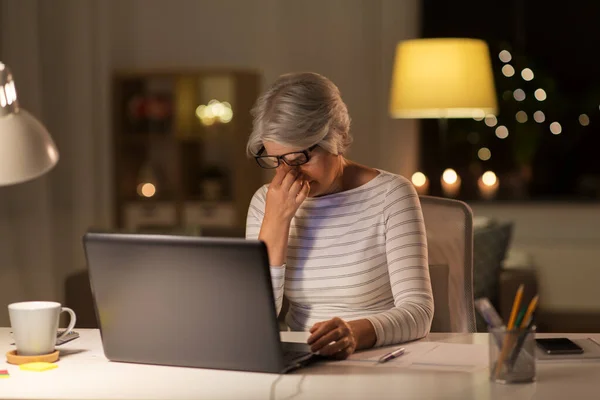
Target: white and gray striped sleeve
(256,213)
(406,251)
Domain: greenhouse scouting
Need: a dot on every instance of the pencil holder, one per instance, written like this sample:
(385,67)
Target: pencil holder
(512,355)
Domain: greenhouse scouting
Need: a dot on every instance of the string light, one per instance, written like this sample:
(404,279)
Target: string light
(540,94)
(527,74)
(555,128)
(484,154)
(584,120)
(519,95)
(505,56)
(521,117)
(490,120)
(508,70)
(478,115)
(502,132)
(539,117)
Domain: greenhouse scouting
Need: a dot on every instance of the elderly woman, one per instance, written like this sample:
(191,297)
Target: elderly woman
(346,242)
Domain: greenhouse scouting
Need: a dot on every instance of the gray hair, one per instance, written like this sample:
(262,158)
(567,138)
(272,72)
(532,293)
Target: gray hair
(301,110)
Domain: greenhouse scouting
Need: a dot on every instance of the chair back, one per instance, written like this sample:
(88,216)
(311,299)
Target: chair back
(449,227)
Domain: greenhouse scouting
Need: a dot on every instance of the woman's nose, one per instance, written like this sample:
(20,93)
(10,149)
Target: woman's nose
(287,168)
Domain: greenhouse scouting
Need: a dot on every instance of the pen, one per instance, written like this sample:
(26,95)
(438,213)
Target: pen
(530,310)
(488,312)
(390,356)
(519,319)
(515,307)
(520,342)
(491,317)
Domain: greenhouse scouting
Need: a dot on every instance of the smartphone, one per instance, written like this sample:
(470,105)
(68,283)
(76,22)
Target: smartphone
(71,336)
(559,346)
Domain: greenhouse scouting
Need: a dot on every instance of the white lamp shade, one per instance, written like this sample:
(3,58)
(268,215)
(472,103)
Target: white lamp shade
(26,148)
(442,78)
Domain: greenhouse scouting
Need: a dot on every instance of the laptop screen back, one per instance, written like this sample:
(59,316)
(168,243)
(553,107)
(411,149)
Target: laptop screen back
(184,301)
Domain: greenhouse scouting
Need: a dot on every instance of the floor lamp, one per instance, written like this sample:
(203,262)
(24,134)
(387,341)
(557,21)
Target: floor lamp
(27,150)
(442,78)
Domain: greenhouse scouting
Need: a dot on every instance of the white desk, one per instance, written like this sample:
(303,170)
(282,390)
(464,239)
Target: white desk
(84,373)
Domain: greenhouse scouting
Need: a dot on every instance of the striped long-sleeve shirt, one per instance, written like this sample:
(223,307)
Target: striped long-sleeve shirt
(356,254)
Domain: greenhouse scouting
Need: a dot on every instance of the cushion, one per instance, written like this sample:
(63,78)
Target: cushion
(491,244)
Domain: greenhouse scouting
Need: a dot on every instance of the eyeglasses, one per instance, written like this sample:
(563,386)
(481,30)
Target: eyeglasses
(292,159)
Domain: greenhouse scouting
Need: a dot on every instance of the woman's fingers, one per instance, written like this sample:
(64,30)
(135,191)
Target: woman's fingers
(278,178)
(303,193)
(323,328)
(331,337)
(335,347)
(288,180)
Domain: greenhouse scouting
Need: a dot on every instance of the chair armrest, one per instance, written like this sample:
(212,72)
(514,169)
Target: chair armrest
(509,282)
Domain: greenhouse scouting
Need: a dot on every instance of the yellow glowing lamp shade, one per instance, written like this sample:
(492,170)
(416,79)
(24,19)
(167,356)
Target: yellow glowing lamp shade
(442,78)
(26,148)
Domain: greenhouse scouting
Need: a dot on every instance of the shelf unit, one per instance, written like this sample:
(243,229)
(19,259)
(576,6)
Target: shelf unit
(179,149)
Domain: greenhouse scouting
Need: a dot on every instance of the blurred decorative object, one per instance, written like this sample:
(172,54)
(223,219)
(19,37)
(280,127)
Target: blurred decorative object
(488,185)
(136,112)
(421,183)
(147,181)
(212,181)
(171,156)
(158,113)
(148,105)
(555,128)
(27,150)
(214,111)
(450,183)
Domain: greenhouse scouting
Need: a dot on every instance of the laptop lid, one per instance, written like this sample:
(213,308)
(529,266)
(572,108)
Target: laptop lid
(184,301)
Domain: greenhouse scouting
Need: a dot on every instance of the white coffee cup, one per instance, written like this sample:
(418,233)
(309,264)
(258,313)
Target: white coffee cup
(34,325)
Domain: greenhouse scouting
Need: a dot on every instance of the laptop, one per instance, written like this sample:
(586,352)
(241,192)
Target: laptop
(188,302)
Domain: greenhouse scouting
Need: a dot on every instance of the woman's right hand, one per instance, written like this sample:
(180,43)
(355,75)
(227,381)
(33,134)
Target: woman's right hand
(287,191)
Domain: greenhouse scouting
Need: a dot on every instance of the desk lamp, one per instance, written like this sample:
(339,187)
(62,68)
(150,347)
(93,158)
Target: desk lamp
(27,150)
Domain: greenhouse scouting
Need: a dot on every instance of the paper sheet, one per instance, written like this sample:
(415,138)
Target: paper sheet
(455,357)
(426,355)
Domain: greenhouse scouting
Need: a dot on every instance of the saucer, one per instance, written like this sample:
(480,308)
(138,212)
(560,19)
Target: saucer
(13,358)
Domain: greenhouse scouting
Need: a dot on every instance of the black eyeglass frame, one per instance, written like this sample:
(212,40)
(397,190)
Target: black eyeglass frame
(281,157)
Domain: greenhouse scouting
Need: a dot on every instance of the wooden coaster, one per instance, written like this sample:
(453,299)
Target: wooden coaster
(13,358)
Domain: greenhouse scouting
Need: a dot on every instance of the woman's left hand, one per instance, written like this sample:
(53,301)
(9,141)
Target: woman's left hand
(334,338)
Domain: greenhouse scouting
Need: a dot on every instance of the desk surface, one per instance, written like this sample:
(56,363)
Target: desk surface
(84,373)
